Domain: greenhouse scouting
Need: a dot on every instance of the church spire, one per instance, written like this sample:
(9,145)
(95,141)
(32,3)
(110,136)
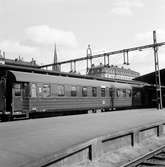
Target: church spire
(55,67)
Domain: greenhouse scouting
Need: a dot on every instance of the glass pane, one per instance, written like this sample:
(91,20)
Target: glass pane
(102,92)
(84,91)
(17,88)
(129,92)
(73,91)
(94,91)
(40,91)
(33,90)
(26,90)
(60,90)
(124,92)
(110,92)
(46,90)
(118,93)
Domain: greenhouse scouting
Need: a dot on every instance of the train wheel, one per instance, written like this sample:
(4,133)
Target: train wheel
(90,111)
(98,111)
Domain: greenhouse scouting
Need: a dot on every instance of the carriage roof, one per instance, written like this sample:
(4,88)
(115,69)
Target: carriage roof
(23,74)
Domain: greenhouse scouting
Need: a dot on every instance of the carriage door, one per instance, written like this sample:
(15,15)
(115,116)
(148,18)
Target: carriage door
(17,103)
(21,99)
(112,93)
(2,95)
(20,103)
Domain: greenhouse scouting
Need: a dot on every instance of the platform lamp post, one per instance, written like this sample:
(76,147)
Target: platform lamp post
(157,74)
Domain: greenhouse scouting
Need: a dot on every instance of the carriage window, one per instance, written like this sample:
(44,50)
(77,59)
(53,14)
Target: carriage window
(128,92)
(102,92)
(94,91)
(46,90)
(111,92)
(73,91)
(121,92)
(17,88)
(137,94)
(39,91)
(26,90)
(60,90)
(118,92)
(124,93)
(84,91)
(33,90)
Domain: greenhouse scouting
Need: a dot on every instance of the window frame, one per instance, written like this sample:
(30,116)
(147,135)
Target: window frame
(124,93)
(46,90)
(84,91)
(40,90)
(59,92)
(94,93)
(33,87)
(103,94)
(111,92)
(17,90)
(118,94)
(73,93)
(129,92)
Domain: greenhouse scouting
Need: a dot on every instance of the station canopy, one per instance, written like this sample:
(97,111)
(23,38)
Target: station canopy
(150,77)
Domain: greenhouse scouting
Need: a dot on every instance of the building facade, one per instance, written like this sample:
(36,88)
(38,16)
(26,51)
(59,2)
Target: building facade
(112,71)
(17,62)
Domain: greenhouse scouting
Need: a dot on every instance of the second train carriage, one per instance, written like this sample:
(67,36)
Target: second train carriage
(24,93)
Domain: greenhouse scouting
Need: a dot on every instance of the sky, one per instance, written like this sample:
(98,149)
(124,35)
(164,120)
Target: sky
(30,28)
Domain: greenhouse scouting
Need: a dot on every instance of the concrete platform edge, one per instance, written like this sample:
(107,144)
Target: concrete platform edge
(94,148)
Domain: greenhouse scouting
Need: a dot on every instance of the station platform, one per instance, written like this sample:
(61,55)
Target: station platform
(35,141)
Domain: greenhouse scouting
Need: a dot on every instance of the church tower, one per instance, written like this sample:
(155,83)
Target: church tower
(55,67)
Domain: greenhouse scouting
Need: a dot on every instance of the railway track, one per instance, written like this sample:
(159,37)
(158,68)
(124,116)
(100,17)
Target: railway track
(155,158)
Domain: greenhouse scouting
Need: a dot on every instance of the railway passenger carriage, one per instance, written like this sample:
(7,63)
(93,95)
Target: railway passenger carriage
(32,91)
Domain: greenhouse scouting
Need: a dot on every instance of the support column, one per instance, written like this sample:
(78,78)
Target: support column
(71,68)
(108,59)
(127,58)
(124,57)
(104,59)
(157,74)
(89,56)
(96,150)
(75,66)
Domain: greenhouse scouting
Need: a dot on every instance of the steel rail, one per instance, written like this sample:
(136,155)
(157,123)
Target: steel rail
(143,159)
